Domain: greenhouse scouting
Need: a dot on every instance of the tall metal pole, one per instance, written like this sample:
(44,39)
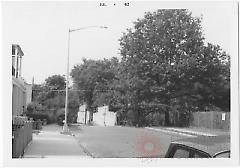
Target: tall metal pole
(65,126)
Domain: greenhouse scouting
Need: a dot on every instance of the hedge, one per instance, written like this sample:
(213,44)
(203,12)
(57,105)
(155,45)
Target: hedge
(37,116)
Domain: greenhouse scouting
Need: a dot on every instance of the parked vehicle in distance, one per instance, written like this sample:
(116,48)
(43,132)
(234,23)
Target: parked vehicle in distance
(200,147)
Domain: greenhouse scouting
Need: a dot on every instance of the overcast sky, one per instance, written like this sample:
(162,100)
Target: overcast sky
(41,29)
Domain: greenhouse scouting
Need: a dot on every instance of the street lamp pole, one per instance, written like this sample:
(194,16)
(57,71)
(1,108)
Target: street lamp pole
(65,126)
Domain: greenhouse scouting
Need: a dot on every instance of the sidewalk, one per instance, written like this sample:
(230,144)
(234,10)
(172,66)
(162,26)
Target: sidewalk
(49,142)
(191,131)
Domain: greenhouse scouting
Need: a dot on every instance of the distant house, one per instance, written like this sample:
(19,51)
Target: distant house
(104,117)
(83,115)
(21,91)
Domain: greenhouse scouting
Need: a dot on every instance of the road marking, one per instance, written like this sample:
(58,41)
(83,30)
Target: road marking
(170,132)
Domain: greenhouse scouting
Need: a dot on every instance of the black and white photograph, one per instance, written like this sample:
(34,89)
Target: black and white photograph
(120,83)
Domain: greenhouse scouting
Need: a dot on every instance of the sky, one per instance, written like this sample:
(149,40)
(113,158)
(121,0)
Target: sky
(41,29)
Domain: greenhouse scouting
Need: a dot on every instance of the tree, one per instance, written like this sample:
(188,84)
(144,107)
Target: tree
(56,82)
(53,84)
(164,58)
(34,107)
(93,79)
(38,94)
(51,97)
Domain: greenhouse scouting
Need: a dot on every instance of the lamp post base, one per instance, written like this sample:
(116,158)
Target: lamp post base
(65,128)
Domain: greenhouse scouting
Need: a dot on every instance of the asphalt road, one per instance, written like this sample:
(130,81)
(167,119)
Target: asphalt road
(122,142)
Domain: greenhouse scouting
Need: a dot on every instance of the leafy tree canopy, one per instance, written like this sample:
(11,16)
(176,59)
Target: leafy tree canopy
(93,78)
(164,58)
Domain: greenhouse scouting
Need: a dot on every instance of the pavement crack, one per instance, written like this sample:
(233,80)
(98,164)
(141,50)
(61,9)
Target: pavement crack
(84,148)
(86,151)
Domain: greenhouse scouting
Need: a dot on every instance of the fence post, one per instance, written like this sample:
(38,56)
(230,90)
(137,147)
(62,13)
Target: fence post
(14,144)
(22,139)
(198,119)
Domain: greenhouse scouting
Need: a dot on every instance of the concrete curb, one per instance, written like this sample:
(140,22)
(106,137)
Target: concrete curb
(180,131)
(55,156)
(198,133)
(170,132)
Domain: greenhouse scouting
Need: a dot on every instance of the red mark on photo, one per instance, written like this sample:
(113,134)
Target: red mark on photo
(148,145)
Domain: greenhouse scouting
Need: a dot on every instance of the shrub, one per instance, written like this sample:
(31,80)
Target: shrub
(34,106)
(37,116)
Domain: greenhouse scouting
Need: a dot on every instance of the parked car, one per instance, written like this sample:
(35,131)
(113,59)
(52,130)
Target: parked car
(200,147)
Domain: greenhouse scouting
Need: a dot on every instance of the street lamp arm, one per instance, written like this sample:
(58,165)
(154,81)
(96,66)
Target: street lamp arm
(72,30)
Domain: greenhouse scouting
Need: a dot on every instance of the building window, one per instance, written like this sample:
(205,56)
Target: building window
(13,71)
(13,50)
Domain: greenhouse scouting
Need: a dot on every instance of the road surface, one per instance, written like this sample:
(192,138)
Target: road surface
(122,142)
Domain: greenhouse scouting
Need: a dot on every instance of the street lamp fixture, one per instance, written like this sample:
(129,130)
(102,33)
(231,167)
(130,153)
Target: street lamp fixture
(65,126)
(82,28)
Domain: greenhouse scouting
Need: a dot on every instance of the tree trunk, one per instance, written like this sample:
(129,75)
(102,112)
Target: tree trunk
(167,110)
(167,122)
